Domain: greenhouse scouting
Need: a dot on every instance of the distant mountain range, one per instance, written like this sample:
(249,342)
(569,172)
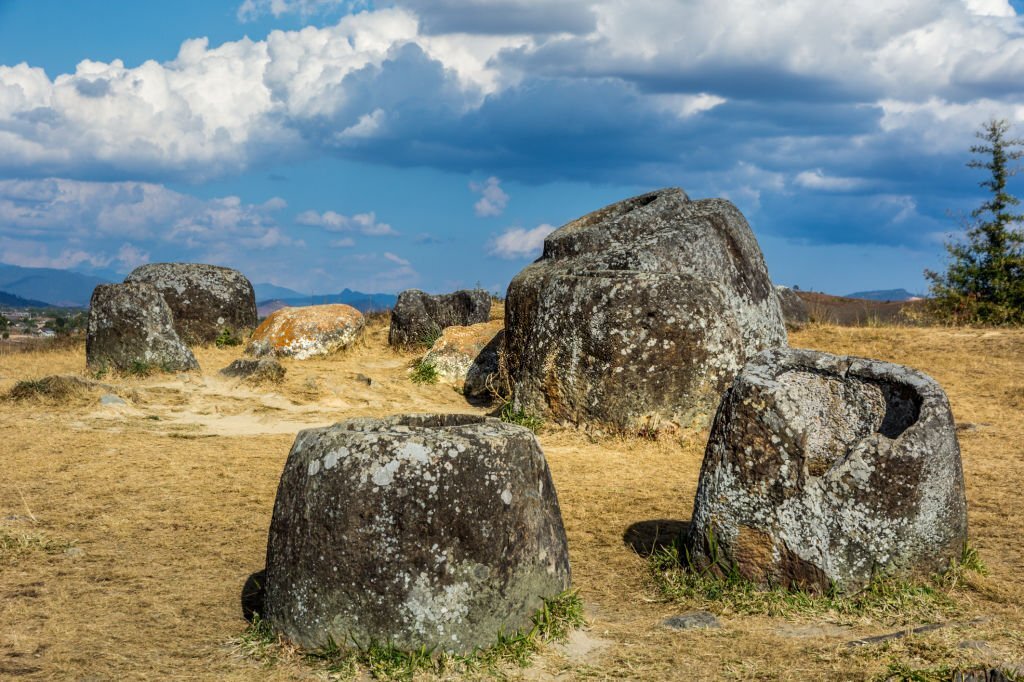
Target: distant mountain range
(885,295)
(13,301)
(356,299)
(64,288)
(43,287)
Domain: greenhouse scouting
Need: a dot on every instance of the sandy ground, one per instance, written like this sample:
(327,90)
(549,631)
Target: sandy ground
(135,526)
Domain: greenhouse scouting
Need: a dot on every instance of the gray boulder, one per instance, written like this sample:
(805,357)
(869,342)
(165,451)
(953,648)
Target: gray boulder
(823,470)
(794,308)
(418,530)
(638,313)
(262,370)
(131,325)
(205,299)
(419,318)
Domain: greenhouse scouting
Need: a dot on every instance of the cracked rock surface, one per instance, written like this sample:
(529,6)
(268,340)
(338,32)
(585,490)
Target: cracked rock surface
(822,471)
(205,299)
(419,530)
(640,312)
(130,324)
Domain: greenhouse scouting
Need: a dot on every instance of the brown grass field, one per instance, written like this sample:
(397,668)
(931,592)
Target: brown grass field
(127,531)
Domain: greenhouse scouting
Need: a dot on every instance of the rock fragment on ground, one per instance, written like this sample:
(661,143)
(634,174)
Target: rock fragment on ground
(823,471)
(307,332)
(691,620)
(418,530)
(418,318)
(258,371)
(130,326)
(639,313)
(206,300)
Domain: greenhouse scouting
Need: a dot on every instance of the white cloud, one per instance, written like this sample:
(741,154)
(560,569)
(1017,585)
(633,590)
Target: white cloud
(493,199)
(85,213)
(818,180)
(418,69)
(517,242)
(343,243)
(332,221)
(396,259)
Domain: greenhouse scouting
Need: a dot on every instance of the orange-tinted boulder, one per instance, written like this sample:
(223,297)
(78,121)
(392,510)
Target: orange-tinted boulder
(307,332)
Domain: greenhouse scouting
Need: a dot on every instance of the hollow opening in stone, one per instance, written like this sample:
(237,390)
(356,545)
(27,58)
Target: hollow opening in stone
(437,421)
(617,210)
(833,413)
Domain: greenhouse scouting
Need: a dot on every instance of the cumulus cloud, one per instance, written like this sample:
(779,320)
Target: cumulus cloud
(493,199)
(365,223)
(517,242)
(591,90)
(118,223)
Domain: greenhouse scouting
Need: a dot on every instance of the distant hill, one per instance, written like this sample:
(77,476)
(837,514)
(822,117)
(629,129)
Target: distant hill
(60,287)
(357,299)
(13,301)
(884,295)
(268,292)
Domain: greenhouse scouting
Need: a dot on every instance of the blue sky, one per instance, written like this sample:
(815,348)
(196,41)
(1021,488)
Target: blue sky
(322,144)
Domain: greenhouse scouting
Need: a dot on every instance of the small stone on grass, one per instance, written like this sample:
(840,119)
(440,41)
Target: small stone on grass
(692,619)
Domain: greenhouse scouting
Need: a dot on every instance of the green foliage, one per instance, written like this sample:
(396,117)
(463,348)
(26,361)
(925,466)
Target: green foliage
(5,324)
(424,373)
(14,545)
(984,279)
(430,336)
(227,337)
(521,417)
(719,586)
(557,617)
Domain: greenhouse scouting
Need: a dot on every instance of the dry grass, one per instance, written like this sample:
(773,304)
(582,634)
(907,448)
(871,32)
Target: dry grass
(169,499)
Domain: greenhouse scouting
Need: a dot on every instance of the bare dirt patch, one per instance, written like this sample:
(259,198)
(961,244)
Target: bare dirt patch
(167,499)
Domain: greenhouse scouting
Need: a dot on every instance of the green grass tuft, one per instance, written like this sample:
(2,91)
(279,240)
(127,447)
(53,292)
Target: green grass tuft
(424,373)
(227,337)
(521,417)
(16,544)
(886,599)
(557,617)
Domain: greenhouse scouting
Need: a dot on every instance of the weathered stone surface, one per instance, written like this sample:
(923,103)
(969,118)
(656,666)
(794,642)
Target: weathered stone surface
(823,470)
(460,353)
(131,324)
(262,370)
(794,308)
(205,299)
(416,530)
(418,316)
(307,332)
(691,620)
(639,312)
(483,378)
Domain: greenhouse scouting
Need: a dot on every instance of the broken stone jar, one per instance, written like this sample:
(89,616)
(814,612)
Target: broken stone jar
(415,530)
(823,471)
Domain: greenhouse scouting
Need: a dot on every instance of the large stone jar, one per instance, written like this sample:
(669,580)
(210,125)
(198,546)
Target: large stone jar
(822,471)
(640,312)
(418,530)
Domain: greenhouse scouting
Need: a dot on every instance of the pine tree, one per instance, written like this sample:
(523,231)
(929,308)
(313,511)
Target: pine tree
(984,280)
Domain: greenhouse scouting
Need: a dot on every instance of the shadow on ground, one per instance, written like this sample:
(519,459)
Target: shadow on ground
(648,537)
